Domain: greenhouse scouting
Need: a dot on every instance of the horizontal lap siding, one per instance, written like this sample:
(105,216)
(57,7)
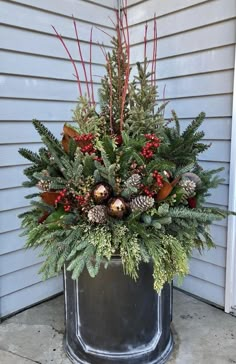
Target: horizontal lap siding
(195,65)
(37,81)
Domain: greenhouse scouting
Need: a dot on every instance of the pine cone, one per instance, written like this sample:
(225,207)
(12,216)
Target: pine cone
(133,181)
(43,185)
(141,203)
(188,186)
(98,214)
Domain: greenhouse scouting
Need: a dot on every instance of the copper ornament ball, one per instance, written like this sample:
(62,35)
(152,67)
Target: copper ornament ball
(117,207)
(101,192)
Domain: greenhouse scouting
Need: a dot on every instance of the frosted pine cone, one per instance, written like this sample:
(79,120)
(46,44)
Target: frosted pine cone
(188,186)
(141,203)
(98,214)
(43,185)
(133,181)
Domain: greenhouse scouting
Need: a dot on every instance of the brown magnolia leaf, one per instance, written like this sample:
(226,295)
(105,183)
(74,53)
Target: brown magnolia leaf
(43,217)
(65,143)
(164,191)
(70,132)
(175,181)
(49,197)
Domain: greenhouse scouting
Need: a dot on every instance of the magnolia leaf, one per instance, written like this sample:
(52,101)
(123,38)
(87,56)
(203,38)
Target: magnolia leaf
(49,197)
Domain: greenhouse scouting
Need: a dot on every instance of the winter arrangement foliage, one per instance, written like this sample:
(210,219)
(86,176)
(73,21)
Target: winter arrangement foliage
(123,180)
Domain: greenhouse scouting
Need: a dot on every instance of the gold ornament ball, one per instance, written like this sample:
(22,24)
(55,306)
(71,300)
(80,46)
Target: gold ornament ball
(101,192)
(117,207)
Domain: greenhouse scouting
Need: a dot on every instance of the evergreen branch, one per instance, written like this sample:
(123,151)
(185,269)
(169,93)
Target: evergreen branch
(31,156)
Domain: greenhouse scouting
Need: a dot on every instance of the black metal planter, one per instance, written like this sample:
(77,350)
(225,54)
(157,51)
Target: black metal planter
(112,319)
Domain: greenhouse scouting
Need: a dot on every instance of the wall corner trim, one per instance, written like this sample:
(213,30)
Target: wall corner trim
(230,288)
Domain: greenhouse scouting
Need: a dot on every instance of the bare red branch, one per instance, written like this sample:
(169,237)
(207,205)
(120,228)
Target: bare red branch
(103,31)
(155,55)
(90,65)
(81,58)
(71,59)
(127,70)
(145,40)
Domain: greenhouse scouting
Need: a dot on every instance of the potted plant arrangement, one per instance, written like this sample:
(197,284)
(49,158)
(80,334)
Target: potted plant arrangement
(121,200)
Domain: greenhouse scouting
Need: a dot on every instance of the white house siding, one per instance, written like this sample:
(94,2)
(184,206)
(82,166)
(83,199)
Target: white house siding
(195,60)
(36,82)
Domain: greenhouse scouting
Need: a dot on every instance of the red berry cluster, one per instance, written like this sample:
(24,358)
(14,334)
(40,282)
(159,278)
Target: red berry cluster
(67,208)
(61,196)
(63,199)
(84,137)
(98,159)
(149,148)
(118,140)
(81,200)
(158,177)
(85,142)
(147,191)
(88,149)
(153,138)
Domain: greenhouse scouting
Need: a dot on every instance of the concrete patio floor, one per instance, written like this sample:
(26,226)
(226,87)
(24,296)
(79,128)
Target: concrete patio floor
(203,334)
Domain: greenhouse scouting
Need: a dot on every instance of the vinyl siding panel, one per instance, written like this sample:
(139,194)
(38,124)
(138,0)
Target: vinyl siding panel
(18,280)
(195,40)
(11,241)
(192,17)
(22,87)
(9,220)
(15,261)
(163,8)
(42,67)
(81,9)
(195,65)
(28,296)
(196,286)
(37,81)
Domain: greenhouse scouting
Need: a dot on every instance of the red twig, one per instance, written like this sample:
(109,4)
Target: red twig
(112,21)
(121,33)
(155,55)
(126,24)
(145,41)
(126,84)
(71,59)
(120,53)
(101,30)
(120,23)
(81,58)
(90,66)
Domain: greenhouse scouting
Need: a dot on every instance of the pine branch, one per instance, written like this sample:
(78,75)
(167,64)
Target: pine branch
(31,156)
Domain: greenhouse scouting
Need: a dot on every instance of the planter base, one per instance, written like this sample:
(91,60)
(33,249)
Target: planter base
(113,320)
(160,360)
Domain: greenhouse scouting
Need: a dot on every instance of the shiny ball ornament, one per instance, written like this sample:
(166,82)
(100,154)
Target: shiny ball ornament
(101,193)
(117,207)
